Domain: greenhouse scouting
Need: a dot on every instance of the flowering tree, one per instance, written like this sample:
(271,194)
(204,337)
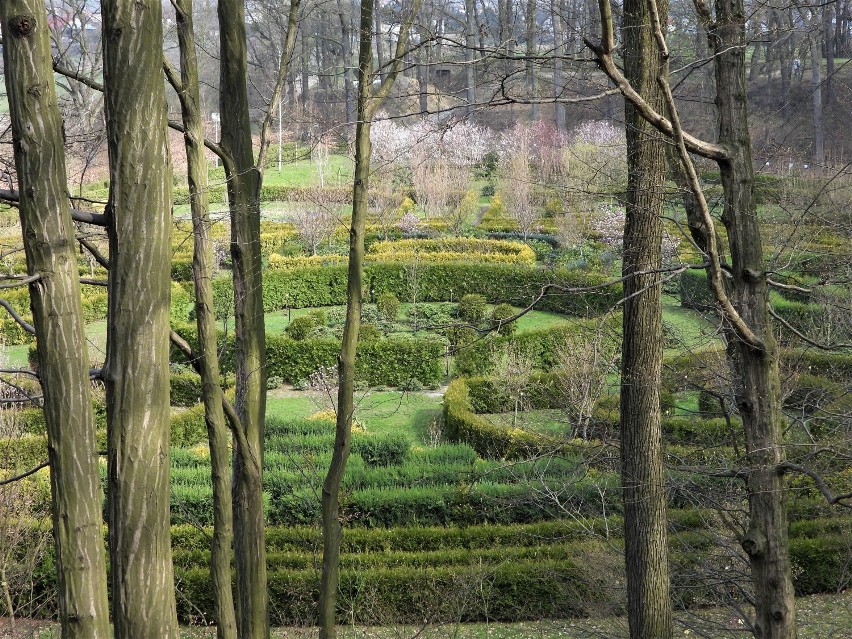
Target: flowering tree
(516,177)
(439,156)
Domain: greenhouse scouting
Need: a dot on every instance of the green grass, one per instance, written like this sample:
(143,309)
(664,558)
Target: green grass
(380,412)
(694,330)
(548,421)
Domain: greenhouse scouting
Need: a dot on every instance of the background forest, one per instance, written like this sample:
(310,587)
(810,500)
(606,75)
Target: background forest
(482,318)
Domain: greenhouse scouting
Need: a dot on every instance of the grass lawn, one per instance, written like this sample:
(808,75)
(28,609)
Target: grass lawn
(547,421)
(693,330)
(378,412)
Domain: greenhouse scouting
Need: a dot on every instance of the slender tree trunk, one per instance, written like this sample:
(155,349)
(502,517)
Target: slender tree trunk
(250,340)
(305,67)
(757,387)
(368,103)
(557,9)
(58,318)
(645,535)
(137,360)
(532,85)
(816,94)
(470,54)
(207,362)
(828,13)
(331,527)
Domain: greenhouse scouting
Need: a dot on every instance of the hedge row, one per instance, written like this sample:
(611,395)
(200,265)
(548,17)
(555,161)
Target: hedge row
(509,592)
(518,285)
(274,193)
(462,424)
(389,361)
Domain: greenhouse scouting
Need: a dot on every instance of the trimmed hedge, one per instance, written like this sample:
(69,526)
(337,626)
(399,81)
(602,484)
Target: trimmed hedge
(462,424)
(517,285)
(381,362)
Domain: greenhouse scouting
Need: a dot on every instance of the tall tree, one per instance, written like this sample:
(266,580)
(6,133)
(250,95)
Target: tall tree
(368,103)
(643,487)
(250,340)
(58,318)
(206,360)
(740,292)
(136,371)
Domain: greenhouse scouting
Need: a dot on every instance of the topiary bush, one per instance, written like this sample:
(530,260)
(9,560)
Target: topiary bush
(500,313)
(471,308)
(300,327)
(387,305)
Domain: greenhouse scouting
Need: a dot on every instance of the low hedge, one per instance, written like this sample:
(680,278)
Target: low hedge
(514,284)
(381,362)
(695,291)
(462,424)
(509,592)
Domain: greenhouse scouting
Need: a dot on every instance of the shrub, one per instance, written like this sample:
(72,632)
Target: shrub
(319,317)
(472,308)
(387,305)
(300,327)
(185,389)
(369,333)
(500,313)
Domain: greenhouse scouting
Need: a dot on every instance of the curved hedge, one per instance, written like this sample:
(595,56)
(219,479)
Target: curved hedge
(452,249)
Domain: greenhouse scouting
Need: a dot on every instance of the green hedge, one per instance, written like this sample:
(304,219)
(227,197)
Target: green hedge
(509,592)
(462,424)
(381,362)
(519,285)
(269,193)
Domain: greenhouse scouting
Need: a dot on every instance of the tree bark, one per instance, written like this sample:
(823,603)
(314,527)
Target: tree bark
(556,11)
(532,85)
(250,340)
(368,103)
(643,487)
(136,371)
(207,363)
(58,319)
(469,54)
(757,389)
(816,93)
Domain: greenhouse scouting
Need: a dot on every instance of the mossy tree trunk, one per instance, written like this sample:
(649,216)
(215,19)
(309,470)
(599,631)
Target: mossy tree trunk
(250,340)
(58,319)
(757,385)
(207,362)
(136,371)
(643,487)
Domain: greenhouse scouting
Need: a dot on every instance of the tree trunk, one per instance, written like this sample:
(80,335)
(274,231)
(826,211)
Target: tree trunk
(250,340)
(643,487)
(757,383)
(532,7)
(556,11)
(207,362)
(828,13)
(48,233)
(332,530)
(470,54)
(816,94)
(136,372)
(368,103)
